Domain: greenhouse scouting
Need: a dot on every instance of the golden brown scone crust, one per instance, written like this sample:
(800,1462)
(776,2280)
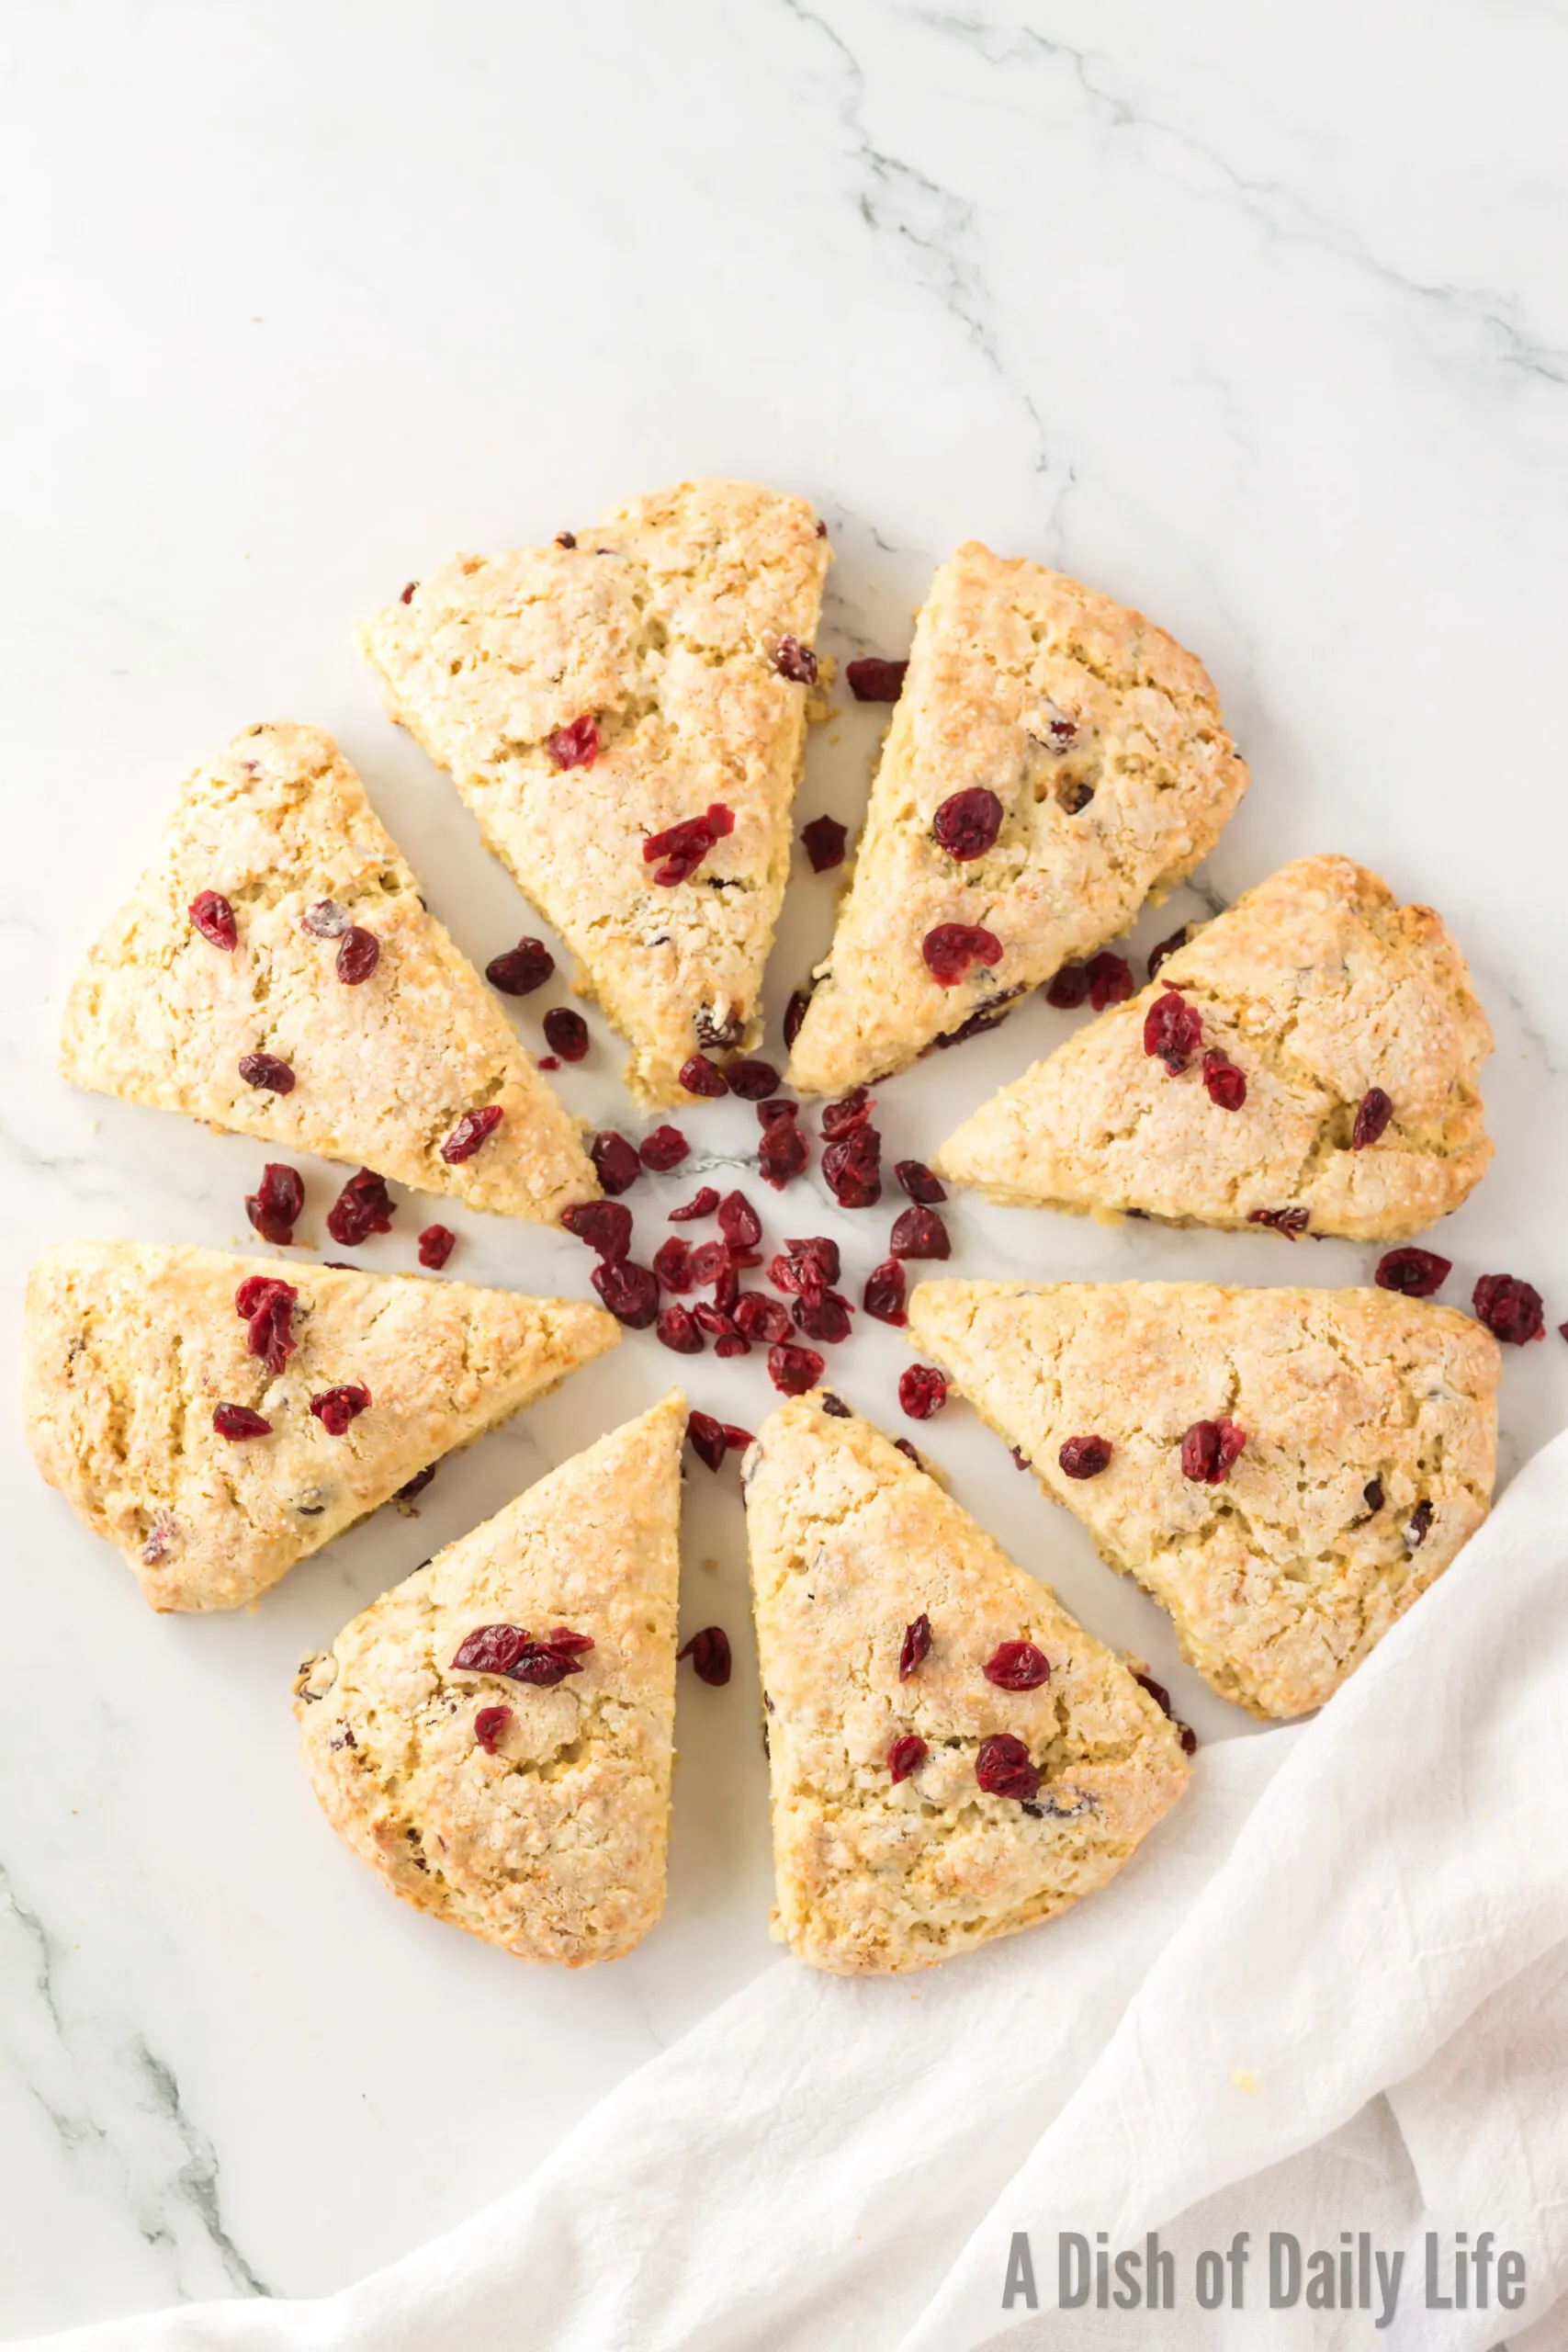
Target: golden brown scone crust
(1004,654)
(850,1543)
(384,1070)
(554,1846)
(1318,986)
(1281,1579)
(662,624)
(129,1346)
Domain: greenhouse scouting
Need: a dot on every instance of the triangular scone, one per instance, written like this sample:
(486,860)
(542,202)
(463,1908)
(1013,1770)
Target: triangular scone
(533,1811)
(1369,1436)
(1100,745)
(385,1070)
(131,1349)
(588,696)
(852,1548)
(1324,994)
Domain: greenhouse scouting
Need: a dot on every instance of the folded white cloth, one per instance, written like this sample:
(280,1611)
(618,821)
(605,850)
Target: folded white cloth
(1331,1995)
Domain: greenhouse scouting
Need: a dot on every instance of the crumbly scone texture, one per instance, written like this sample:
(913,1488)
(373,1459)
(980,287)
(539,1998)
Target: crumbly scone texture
(660,624)
(554,1847)
(1318,986)
(1368,1417)
(850,1543)
(1005,657)
(384,1070)
(128,1347)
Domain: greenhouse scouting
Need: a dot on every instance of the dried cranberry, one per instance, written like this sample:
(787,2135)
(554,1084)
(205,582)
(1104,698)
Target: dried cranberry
(436,1244)
(521,970)
(326,919)
(1161,1696)
(920,1183)
(1109,980)
(739,1222)
(1372,1114)
(916,1645)
(710,1260)
(488,1724)
(823,841)
(923,1391)
(783,1151)
(1017,1665)
(1418,1526)
(702,1203)
(269,1325)
(902,1445)
(752,1079)
(1084,1457)
(1003,1768)
(266,1071)
(1166,947)
(254,1292)
(615,1161)
(1173,1030)
(214,918)
(1021,1460)
(405,595)
(358,957)
(906,1756)
(796,661)
(794,1370)
(737,1439)
(1510,1308)
(761,1318)
(1291,1223)
(709,1654)
(824,1317)
(566,539)
(884,1294)
(676,1329)
(842,1117)
(1373,1496)
(1415,1273)
(795,1013)
(676,852)
(543,1664)
(872,680)
(547,1061)
(491,1649)
(566,1032)
(988,1015)
(604,1225)
(335,1407)
(273,1207)
(1210,1449)
(967,823)
(1226,1083)
(672,1264)
(699,1076)
(576,745)
(920,1233)
(1068,989)
(817,1249)
(418,1483)
(952,949)
(472,1129)
(850,1169)
(363,1207)
(1061,730)
(835,1406)
(629,1291)
(707,1439)
(730,1344)
(237,1422)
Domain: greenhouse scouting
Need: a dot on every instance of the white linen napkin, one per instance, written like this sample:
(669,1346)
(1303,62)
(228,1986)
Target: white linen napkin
(1330,1994)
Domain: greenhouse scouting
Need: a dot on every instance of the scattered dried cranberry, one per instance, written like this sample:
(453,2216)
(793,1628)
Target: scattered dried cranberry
(761,1318)
(629,1291)
(835,1406)
(1084,1457)
(920,1183)
(676,852)
(752,1079)
(488,1724)
(906,1756)
(1161,1696)
(491,1649)
(615,1161)
(325,919)
(794,1370)
(709,1654)
(418,1483)
(363,1207)
(406,595)
(707,1439)
(739,1222)
(266,1071)
(238,1423)
(566,1032)
(1017,1665)
(872,680)
(823,841)
(842,1117)
(1210,1449)
(1510,1308)
(699,1076)
(920,1233)
(952,949)
(521,969)
(1373,1496)
(795,1013)
(1173,1030)
(796,661)
(604,1225)
(730,1344)
(902,1445)
(335,1407)
(358,957)
(710,1261)
(967,823)
(783,1151)
(1226,1083)
(1291,1223)
(850,1169)
(576,745)
(548,1061)
(1022,1460)
(676,1329)
(736,1439)
(1109,980)
(817,1249)
(1418,1526)
(1166,947)
(923,1391)
(472,1129)
(566,539)
(214,918)
(1372,1114)
(702,1203)
(1003,1768)
(273,1207)
(884,1294)
(543,1664)
(1416,1274)
(1068,989)
(988,1015)
(436,1244)
(825,1316)
(672,1264)
(916,1645)
(268,1310)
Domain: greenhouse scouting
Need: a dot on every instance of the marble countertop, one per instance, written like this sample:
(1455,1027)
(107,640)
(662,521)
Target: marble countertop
(1253,319)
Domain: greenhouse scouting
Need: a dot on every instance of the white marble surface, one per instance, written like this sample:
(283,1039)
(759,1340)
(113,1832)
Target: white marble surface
(1254,317)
